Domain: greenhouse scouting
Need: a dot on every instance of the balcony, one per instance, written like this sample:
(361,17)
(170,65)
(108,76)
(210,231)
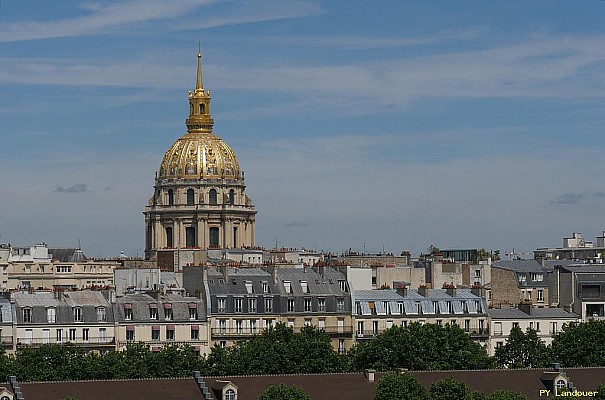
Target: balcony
(366,334)
(226,333)
(91,342)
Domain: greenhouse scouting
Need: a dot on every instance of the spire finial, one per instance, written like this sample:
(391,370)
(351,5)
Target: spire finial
(199,84)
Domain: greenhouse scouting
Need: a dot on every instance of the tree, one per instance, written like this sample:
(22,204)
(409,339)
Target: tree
(400,387)
(580,344)
(278,351)
(507,395)
(283,392)
(600,392)
(449,389)
(523,350)
(420,347)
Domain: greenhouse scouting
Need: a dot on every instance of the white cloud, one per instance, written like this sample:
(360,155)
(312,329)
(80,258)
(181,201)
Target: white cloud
(140,16)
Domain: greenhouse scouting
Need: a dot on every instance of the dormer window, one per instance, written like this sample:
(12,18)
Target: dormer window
(101,314)
(560,385)
(230,394)
(77,314)
(153,311)
(27,315)
(128,311)
(51,315)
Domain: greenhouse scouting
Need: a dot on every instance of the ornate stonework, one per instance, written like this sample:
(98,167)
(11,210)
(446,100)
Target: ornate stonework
(199,200)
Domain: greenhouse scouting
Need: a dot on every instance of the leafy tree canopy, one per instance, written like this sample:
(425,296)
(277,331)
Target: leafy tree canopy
(507,395)
(283,392)
(450,389)
(580,344)
(421,347)
(400,387)
(523,350)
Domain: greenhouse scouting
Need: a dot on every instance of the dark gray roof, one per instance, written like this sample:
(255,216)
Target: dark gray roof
(316,283)
(66,255)
(140,305)
(536,313)
(519,265)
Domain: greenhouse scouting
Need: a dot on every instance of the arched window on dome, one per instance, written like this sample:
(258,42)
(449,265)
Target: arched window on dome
(202,108)
(170,197)
(190,197)
(232,197)
(212,197)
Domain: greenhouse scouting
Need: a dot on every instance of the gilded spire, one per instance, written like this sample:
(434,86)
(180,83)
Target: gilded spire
(199,84)
(199,120)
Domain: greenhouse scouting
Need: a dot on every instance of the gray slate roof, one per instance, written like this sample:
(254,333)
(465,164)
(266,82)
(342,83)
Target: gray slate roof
(536,313)
(519,265)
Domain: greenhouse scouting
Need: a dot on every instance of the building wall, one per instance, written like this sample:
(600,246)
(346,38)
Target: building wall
(504,288)
(385,276)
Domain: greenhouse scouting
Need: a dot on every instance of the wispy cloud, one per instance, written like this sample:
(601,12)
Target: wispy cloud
(76,188)
(599,194)
(569,198)
(155,15)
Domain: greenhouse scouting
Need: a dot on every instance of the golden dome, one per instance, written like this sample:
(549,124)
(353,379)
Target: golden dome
(200,155)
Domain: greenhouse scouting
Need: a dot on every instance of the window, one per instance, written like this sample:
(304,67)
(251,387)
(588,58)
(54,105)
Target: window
(214,236)
(360,328)
(190,197)
(341,346)
(232,197)
(252,305)
(77,314)
(249,287)
(169,332)
(515,324)
(290,305)
(321,303)
(192,311)
(212,197)
(221,304)
(155,333)
(169,241)
(268,305)
(27,315)
(467,325)
(102,335)
(537,326)
(537,276)
(265,287)
(222,326)
(252,326)
(239,326)
(540,296)
(153,311)
(51,315)
(85,334)
(499,344)
(553,327)
(239,304)
(170,197)
(101,314)
(343,285)
(129,333)
(375,327)
(307,321)
(168,312)
(72,334)
(340,304)
(268,323)
(305,286)
(59,335)
(560,384)
(230,394)
(195,332)
(307,304)
(288,286)
(128,312)
(190,236)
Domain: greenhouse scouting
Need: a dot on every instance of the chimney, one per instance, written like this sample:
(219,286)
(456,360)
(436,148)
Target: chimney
(476,290)
(450,289)
(525,307)
(369,374)
(401,289)
(225,271)
(556,367)
(423,291)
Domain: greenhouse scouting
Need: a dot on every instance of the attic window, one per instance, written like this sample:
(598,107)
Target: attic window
(230,394)
(560,384)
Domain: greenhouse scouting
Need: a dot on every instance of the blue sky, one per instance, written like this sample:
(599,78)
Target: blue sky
(392,125)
